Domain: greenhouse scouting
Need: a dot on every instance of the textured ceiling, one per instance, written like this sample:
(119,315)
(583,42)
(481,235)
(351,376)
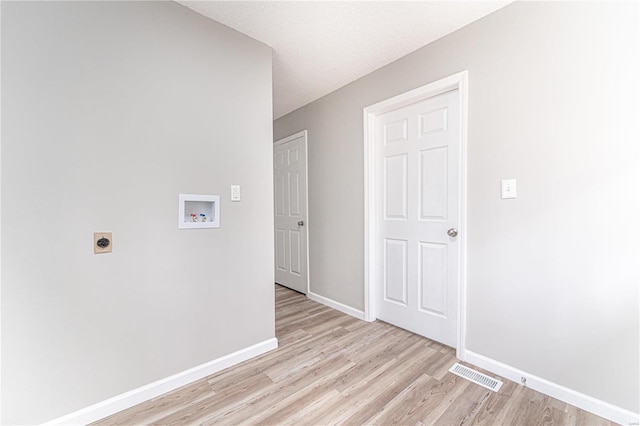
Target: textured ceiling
(319,46)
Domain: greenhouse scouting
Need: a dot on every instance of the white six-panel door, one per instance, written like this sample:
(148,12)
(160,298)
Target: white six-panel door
(290,192)
(417,183)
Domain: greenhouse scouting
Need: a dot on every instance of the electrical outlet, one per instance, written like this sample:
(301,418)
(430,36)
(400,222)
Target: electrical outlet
(102,242)
(235,193)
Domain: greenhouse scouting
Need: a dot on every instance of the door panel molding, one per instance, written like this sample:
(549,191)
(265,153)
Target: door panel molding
(457,82)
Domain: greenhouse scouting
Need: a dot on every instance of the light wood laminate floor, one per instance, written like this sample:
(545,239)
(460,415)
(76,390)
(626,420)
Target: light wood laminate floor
(331,368)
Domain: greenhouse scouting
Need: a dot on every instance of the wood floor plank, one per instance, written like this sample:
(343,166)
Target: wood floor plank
(155,409)
(208,408)
(402,409)
(332,369)
(354,384)
(289,409)
(268,403)
(464,407)
(387,386)
(354,397)
(497,402)
(508,411)
(363,370)
(439,399)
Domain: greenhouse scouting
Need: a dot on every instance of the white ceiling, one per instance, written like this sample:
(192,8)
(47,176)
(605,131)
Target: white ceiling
(319,46)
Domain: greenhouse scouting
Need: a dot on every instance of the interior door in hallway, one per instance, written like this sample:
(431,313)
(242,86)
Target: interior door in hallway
(417,184)
(290,192)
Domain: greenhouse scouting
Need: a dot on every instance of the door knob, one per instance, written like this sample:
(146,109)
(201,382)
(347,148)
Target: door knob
(300,223)
(453,232)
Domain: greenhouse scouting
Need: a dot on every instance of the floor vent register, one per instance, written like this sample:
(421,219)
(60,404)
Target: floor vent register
(475,377)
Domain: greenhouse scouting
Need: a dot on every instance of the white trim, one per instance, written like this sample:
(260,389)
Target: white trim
(554,390)
(463,93)
(457,81)
(291,138)
(282,141)
(369,222)
(0,233)
(136,396)
(336,305)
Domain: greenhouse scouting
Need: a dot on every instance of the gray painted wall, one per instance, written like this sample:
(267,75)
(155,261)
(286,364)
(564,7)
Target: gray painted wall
(553,275)
(109,111)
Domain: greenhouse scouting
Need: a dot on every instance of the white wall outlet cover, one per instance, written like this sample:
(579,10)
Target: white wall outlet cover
(508,187)
(235,193)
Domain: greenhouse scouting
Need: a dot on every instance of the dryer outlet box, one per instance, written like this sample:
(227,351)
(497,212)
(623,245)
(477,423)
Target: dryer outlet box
(102,242)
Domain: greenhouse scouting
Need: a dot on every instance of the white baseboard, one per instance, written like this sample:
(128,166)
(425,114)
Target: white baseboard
(570,396)
(336,305)
(136,396)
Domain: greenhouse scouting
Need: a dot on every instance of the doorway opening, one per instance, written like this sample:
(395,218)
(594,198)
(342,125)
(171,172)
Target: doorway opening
(290,212)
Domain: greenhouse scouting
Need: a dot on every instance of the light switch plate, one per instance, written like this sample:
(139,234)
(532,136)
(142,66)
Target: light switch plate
(235,193)
(100,248)
(508,187)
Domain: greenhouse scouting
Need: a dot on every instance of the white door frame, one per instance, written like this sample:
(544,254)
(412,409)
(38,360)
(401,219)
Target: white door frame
(457,81)
(283,141)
